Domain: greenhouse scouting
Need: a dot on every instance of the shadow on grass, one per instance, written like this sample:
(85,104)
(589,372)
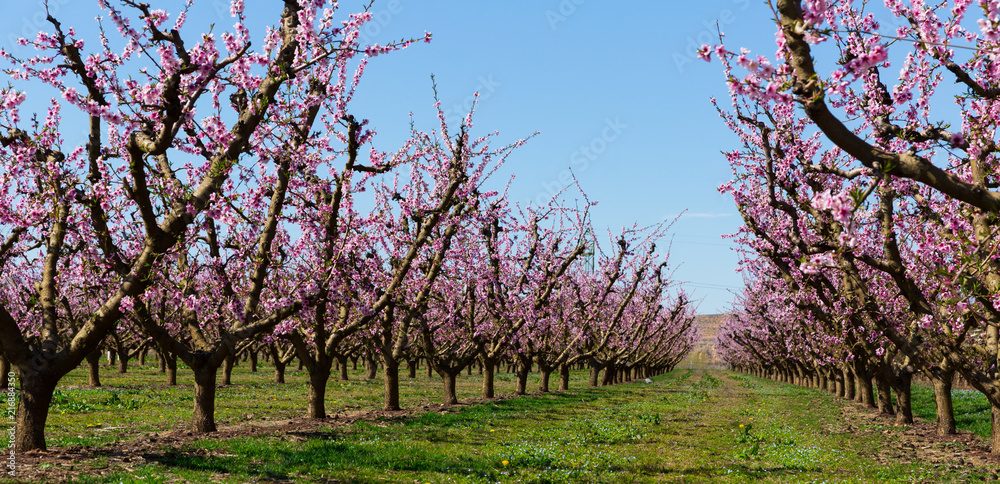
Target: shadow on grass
(736,470)
(256,459)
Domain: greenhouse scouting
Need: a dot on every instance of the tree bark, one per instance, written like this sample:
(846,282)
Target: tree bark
(563,377)
(595,372)
(902,387)
(411,367)
(523,369)
(489,364)
(884,395)
(123,363)
(5,370)
(371,364)
(543,380)
(391,377)
(994,432)
(342,364)
(227,370)
(279,370)
(850,388)
(865,394)
(943,403)
(316,408)
(838,378)
(171,361)
(609,374)
(93,369)
(450,396)
(203,418)
(33,410)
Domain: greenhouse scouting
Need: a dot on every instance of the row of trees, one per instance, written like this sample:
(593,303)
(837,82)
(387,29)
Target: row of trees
(870,206)
(225,196)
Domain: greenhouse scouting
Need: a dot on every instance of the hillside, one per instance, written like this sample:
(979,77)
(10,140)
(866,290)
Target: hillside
(703,355)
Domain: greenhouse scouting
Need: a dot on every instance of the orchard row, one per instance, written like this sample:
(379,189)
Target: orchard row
(225,199)
(870,240)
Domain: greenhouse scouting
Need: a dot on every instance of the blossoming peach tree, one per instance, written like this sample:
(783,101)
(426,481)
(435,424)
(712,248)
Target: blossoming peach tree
(186,136)
(873,199)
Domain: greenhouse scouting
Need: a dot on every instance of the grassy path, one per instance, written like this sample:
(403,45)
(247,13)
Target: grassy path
(687,426)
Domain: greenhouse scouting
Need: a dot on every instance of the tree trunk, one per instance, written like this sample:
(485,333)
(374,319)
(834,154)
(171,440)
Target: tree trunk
(563,377)
(112,357)
(609,375)
(279,370)
(253,361)
(142,356)
(205,376)
(161,362)
(5,372)
(543,381)
(227,370)
(995,430)
(342,365)
(449,377)
(884,395)
(865,394)
(371,364)
(902,387)
(523,368)
(171,368)
(317,392)
(943,403)
(595,372)
(123,358)
(488,366)
(850,389)
(411,367)
(391,377)
(33,411)
(93,369)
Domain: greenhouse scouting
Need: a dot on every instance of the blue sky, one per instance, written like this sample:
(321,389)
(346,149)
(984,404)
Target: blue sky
(613,88)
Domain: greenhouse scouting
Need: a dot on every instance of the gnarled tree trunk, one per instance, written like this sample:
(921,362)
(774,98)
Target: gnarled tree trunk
(205,376)
(318,378)
(37,389)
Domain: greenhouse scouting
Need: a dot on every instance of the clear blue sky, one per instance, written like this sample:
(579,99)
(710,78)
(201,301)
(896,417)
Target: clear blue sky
(617,79)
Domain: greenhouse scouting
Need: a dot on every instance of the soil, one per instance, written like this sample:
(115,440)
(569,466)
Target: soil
(918,441)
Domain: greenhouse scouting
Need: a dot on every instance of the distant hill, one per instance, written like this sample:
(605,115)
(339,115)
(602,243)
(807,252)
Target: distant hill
(703,355)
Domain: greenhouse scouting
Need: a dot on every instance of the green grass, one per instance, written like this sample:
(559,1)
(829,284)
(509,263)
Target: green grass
(141,402)
(684,427)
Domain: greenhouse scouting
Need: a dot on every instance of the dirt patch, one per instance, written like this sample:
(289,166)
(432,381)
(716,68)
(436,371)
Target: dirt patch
(918,441)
